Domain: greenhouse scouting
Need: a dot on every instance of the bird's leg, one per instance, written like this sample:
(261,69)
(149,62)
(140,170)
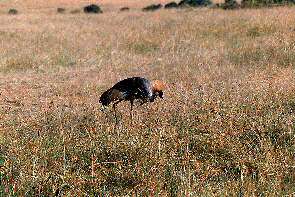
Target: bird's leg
(114,107)
(131,108)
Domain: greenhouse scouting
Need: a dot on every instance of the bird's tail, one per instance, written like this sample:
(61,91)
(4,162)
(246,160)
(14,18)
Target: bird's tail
(111,95)
(105,98)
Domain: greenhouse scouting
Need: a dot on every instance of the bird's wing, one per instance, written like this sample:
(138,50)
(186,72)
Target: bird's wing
(144,92)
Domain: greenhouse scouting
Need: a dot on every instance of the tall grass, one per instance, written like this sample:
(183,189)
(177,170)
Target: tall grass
(225,127)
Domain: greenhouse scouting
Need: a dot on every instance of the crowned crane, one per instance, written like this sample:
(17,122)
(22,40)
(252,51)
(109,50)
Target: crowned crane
(131,89)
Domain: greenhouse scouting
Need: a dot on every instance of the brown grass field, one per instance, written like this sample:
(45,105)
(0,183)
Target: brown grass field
(225,128)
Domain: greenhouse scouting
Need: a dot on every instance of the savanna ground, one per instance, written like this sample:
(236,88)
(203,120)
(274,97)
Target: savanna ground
(225,128)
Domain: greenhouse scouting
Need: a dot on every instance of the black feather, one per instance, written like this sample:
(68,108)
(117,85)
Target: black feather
(128,89)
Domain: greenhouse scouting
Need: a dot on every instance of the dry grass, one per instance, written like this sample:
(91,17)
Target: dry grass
(225,128)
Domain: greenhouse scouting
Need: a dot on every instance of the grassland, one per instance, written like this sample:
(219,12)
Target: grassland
(225,128)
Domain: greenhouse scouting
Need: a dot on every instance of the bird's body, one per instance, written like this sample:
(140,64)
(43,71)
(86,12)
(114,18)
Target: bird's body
(131,89)
(127,89)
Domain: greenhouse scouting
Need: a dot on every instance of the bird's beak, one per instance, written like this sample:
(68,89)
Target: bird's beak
(161,95)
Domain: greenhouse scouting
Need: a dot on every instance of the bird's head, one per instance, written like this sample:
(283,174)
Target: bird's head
(157,88)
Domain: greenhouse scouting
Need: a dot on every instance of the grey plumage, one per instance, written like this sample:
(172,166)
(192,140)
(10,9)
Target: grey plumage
(130,89)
